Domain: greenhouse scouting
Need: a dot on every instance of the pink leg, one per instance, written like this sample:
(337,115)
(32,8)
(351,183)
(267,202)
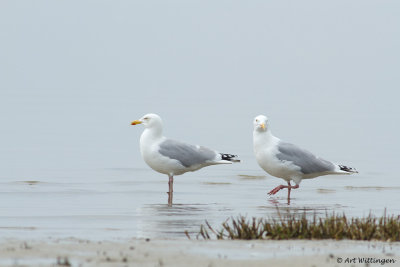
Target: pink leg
(171,189)
(279,187)
(170,184)
(288,192)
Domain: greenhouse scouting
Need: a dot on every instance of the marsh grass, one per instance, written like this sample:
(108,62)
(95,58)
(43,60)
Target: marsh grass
(385,228)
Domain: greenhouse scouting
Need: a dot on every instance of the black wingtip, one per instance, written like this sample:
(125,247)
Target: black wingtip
(229,157)
(347,169)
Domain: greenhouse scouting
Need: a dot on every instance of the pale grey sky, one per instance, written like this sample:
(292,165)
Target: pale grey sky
(73,74)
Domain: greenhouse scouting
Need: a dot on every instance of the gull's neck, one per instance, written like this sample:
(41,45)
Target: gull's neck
(149,141)
(262,139)
(151,134)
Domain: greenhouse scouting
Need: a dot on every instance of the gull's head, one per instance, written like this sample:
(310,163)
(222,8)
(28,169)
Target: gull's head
(260,123)
(149,120)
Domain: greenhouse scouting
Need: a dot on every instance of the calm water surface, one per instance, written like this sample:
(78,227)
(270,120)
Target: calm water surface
(126,203)
(72,81)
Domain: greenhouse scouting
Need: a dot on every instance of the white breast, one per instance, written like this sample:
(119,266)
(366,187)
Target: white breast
(265,150)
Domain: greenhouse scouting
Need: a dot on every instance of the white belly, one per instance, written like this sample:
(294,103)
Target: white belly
(160,163)
(277,168)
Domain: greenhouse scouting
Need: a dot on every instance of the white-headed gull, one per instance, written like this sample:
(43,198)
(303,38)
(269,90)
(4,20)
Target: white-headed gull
(173,157)
(287,161)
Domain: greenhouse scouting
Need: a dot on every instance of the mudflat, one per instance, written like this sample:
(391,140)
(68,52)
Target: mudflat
(164,252)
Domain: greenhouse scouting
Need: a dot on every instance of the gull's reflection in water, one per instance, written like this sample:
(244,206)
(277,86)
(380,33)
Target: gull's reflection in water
(279,209)
(165,221)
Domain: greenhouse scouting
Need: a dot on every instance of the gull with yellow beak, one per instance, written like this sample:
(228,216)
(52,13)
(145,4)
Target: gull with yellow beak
(287,161)
(173,157)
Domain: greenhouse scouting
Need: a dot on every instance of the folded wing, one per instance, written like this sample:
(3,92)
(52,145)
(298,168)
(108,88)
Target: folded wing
(188,155)
(307,161)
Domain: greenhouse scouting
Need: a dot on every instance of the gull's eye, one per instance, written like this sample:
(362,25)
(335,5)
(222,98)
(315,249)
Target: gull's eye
(145,118)
(256,120)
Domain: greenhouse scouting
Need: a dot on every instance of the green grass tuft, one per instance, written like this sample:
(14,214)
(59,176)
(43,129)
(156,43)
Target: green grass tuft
(385,228)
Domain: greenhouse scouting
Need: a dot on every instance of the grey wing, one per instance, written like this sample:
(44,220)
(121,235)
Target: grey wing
(307,161)
(187,155)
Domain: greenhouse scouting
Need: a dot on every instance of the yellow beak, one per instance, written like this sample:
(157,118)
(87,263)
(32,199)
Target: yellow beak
(136,122)
(262,126)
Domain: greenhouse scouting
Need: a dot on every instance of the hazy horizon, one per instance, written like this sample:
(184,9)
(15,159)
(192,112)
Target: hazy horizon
(75,74)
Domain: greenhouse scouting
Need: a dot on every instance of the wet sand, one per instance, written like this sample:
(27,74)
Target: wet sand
(142,252)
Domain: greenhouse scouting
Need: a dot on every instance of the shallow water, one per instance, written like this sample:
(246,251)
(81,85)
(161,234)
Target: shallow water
(126,203)
(69,160)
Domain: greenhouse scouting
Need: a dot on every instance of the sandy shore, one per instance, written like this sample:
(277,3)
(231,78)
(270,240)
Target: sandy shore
(139,252)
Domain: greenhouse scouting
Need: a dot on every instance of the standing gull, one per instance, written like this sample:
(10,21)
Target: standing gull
(287,161)
(173,157)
